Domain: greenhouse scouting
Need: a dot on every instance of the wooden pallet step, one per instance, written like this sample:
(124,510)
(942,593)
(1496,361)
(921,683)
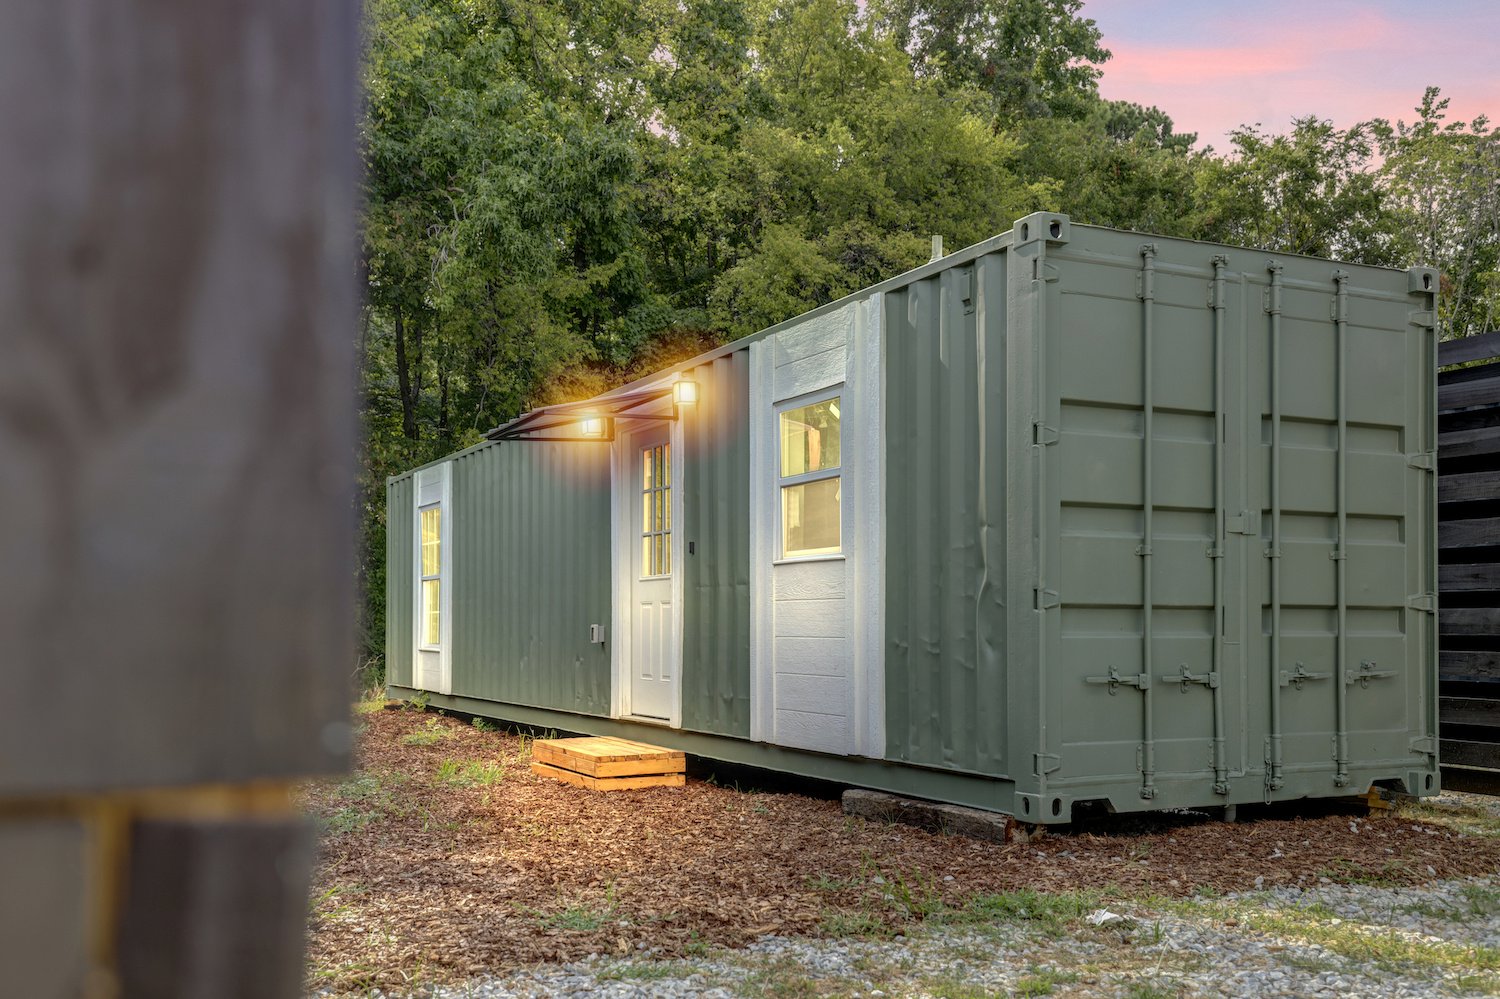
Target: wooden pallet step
(608,783)
(608,757)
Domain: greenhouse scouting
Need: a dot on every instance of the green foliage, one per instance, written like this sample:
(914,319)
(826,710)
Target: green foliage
(562,197)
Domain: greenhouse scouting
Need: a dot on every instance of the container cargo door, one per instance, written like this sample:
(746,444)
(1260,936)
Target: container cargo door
(1343,381)
(1143,472)
(1231,471)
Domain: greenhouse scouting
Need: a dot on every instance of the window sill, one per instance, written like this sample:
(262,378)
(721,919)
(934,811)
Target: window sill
(803,559)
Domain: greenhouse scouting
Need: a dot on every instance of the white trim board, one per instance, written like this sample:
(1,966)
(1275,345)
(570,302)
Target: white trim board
(434,486)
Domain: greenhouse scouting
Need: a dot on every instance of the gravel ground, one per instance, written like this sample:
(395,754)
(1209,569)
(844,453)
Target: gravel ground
(1329,940)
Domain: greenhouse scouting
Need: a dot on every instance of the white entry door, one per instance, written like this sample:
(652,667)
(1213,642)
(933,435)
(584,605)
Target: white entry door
(653,631)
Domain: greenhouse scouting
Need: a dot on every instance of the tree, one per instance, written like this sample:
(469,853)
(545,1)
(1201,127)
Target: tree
(1031,57)
(1444,184)
(1311,191)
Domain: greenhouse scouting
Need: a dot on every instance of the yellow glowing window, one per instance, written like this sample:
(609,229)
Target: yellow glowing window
(656,510)
(811,484)
(432,566)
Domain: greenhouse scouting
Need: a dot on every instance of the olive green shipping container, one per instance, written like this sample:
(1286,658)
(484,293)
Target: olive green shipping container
(1072,515)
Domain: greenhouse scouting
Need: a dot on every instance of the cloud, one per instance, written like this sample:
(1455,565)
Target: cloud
(1220,68)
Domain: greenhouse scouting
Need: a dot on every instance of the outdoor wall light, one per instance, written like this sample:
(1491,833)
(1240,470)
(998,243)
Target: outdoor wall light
(592,426)
(684,392)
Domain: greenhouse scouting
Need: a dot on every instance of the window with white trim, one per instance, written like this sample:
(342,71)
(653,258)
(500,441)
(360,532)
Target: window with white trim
(656,510)
(432,565)
(810,479)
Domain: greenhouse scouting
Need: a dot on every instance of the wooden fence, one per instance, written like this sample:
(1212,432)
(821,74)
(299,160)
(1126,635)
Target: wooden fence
(1469,562)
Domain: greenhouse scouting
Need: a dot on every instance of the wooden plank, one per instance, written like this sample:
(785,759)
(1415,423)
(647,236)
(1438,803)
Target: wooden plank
(1469,754)
(215,907)
(1469,488)
(1483,533)
(608,750)
(1463,578)
(1474,781)
(1469,711)
(609,768)
(1476,392)
(1468,348)
(1469,621)
(1468,665)
(1468,443)
(607,783)
(177,277)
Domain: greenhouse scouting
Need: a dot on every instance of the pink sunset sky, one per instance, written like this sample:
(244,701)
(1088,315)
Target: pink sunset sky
(1213,66)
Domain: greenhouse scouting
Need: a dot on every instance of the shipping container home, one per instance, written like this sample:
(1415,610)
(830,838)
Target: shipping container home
(1072,515)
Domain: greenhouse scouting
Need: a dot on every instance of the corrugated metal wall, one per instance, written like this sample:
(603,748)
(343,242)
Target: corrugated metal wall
(945,515)
(398,580)
(716,585)
(531,572)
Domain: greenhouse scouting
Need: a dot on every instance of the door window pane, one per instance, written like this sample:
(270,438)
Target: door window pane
(810,437)
(431,612)
(432,558)
(810,518)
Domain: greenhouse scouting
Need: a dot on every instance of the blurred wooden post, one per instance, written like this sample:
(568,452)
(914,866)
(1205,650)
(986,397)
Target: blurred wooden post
(177,287)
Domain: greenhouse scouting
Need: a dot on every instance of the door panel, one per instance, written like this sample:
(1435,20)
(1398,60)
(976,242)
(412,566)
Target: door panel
(653,617)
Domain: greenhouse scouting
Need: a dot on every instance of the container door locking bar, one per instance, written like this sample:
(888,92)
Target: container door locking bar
(1186,678)
(1366,673)
(1299,676)
(1141,681)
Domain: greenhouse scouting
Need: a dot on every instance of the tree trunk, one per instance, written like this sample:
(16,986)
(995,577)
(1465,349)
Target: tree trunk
(406,385)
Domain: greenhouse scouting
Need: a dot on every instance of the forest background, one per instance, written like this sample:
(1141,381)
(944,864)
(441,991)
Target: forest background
(563,195)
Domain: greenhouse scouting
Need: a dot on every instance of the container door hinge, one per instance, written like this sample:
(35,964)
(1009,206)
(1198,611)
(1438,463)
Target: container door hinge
(1366,673)
(1185,677)
(1427,744)
(1045,599)
(1141,681)
(1047,763)
(1425,460)
(1420,318)
(1041,434)
(1242,523)
(1298,676)
(1423,602)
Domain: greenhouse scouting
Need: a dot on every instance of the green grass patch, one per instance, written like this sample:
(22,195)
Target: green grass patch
(1470,820)
(646,972)
(858,923)
(1046,911)
(430,734)
(1042,981)
(469,773)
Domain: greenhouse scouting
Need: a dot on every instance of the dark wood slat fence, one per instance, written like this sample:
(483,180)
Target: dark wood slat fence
(1469,562)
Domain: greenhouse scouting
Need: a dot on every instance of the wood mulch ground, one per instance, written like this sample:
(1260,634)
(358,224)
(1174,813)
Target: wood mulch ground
(444,857)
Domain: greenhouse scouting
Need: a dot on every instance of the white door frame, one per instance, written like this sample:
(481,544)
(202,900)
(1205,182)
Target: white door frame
(625,539)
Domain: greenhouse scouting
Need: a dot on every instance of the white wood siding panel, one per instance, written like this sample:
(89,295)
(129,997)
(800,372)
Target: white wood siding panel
(813,656)
(814,649)
(810,581)
(809,730)
(810,619)
(810,374)
(829,332)
(799,692)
